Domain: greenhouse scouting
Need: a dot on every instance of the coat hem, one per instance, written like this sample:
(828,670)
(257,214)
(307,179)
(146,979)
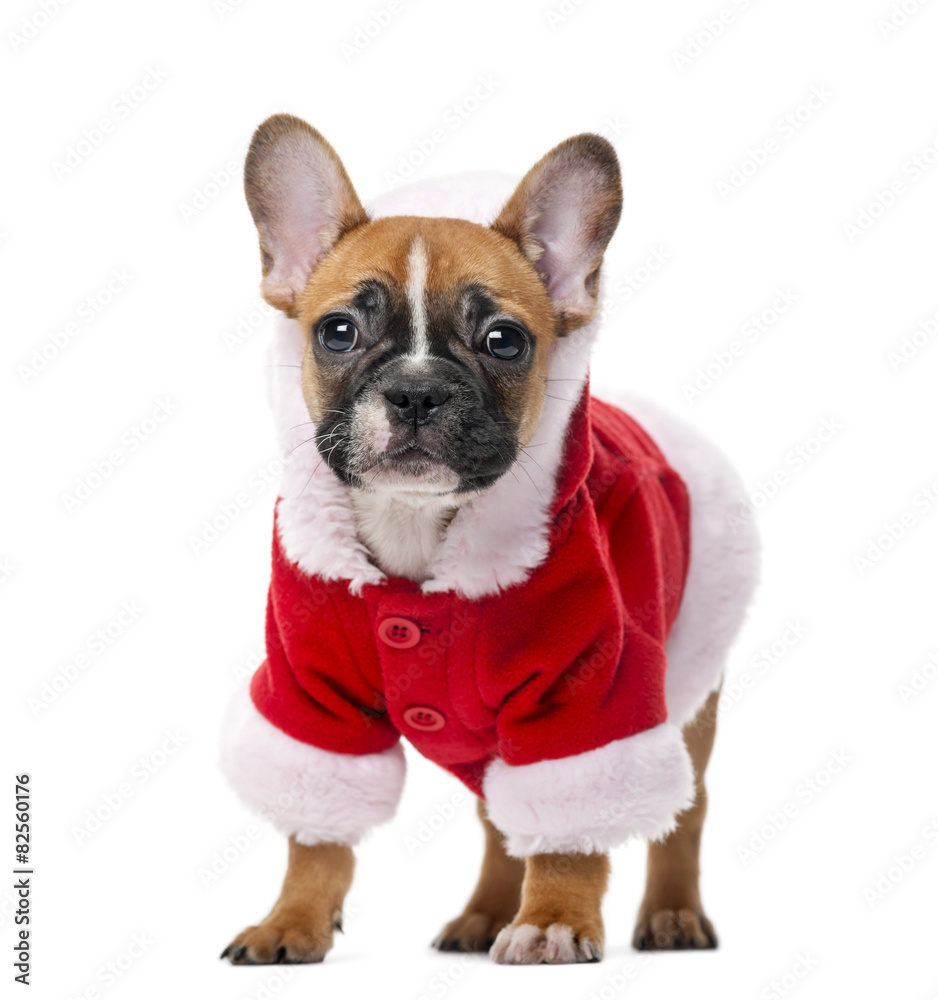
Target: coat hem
(594,801)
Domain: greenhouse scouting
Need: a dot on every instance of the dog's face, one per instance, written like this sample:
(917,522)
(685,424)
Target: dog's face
(425,368)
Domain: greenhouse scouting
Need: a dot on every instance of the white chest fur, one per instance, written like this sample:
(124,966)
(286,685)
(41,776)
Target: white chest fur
(402,531)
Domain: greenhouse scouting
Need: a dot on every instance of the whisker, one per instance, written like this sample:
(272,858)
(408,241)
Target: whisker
(534,460)
(310,479)
(307,441)
(534,484)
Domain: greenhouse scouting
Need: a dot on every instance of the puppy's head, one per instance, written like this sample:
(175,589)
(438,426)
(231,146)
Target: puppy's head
(425,365)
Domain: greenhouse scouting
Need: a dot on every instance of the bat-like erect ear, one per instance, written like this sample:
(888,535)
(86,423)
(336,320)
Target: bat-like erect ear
(301,200)
(562,216)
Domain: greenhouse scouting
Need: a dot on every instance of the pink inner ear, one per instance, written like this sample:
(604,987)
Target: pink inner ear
(567,260)
(562,228)
(306,199)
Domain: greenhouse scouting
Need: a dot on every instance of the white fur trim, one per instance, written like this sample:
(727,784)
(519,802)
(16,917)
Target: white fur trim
(593,801)
(724,560)
(495,540)
(315,519)
(319,796)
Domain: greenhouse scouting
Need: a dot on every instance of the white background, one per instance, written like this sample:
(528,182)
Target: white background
(159,198)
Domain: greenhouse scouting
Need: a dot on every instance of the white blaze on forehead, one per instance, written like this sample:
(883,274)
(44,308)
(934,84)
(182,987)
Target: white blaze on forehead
(417,266)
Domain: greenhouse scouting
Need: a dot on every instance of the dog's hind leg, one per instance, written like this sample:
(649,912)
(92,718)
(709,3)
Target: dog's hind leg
(494,902)
(671,915)
(304,919)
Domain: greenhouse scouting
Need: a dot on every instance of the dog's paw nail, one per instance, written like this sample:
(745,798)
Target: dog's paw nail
(226,952)
(239,954)
(280,956)
(337,924)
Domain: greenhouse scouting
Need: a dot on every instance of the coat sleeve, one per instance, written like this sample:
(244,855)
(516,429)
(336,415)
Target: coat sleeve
(310,746)
(586,756)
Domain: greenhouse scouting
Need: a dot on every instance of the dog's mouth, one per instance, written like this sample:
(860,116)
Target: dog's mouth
(410,466)
(465,451)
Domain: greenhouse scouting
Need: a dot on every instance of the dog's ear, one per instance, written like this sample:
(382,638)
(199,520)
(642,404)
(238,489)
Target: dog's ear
(562,216)
(301,200)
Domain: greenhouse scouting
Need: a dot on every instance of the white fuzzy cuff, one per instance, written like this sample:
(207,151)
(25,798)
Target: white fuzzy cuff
(593,801)
(318,796)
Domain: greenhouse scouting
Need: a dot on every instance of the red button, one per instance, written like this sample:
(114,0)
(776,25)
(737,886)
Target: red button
(426,719)
(400,633)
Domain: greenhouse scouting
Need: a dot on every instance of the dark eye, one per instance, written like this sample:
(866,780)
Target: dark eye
(338,335)
(505,342)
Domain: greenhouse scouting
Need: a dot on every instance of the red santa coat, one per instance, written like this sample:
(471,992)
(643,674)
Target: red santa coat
(564,663)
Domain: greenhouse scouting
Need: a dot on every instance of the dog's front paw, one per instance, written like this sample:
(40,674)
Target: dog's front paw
(674,930)
(291,938)
(557,944)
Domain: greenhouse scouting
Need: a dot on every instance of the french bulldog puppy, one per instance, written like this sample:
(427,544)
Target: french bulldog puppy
(534,587)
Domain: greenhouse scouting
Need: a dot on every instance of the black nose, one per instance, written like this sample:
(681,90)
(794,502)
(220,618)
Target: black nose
(416,399)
